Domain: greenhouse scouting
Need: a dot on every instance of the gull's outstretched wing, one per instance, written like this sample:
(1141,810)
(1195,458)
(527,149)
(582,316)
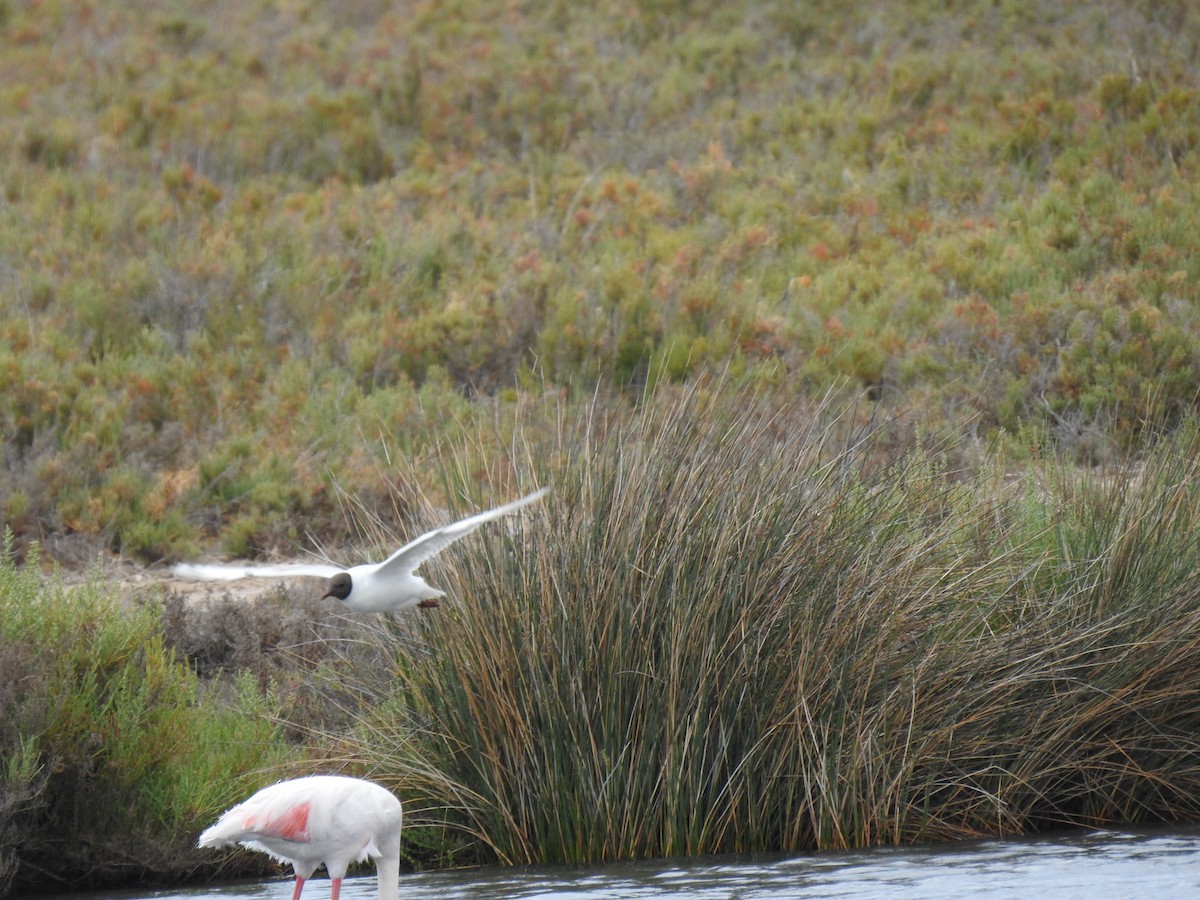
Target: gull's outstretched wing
(412,554)
(204,572)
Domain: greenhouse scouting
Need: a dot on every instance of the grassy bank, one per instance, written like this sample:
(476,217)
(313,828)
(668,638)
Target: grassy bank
(738,623)
(240,243)
(746,626)
(112,752)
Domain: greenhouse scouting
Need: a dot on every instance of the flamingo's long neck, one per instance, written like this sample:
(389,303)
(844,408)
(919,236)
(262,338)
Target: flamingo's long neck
(388,874)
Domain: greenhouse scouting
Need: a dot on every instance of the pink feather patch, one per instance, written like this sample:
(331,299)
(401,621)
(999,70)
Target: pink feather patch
(290,824)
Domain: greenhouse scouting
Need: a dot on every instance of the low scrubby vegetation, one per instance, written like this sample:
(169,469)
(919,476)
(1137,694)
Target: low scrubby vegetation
(241,242)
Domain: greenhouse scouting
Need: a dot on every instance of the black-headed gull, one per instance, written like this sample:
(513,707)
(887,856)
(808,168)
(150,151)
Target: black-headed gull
(320,819)
(372,587)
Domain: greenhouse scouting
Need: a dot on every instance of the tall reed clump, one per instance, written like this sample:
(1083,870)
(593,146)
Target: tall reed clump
(112,754)
(739,625)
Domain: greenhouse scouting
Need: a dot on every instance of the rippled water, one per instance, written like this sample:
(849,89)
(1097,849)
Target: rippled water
(1094,865)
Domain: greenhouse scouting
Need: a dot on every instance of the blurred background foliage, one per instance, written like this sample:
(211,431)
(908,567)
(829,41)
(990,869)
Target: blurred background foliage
(250,252)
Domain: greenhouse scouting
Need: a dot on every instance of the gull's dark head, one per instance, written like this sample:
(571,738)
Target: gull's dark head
(339,586)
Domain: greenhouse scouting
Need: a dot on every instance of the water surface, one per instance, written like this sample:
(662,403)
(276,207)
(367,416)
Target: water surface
(1094,865)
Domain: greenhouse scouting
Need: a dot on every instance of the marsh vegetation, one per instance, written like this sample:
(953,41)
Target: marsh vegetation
(252,252)
(859,345)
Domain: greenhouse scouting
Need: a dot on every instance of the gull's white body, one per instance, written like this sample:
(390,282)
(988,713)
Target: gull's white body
(329,820)
(374,587)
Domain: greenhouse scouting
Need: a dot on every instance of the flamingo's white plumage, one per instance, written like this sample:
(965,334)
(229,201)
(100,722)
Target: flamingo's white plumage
(329,820)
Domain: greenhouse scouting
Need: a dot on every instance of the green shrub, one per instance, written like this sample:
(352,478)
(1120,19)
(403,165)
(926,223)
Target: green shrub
(112,753)
(56,146)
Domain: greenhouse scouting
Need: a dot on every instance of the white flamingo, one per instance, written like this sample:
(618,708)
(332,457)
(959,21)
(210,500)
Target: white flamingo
(320,819)
(372,587)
